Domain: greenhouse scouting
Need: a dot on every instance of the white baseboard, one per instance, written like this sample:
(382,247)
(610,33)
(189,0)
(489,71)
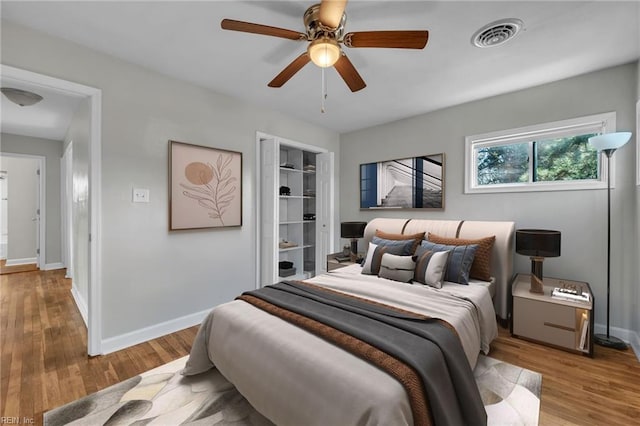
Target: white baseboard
(26,261)
(629,336)
(81,304)
(142,335)
(52,266)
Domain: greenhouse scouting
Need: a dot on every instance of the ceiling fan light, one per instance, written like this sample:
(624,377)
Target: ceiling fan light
(324,52)
(21,97)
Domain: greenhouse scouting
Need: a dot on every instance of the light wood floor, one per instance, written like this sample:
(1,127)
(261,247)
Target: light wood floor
(4,269)
(44,363)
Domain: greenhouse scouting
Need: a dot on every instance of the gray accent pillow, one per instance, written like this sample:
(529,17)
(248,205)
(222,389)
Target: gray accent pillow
(459,261)
(405,247)
(397,268)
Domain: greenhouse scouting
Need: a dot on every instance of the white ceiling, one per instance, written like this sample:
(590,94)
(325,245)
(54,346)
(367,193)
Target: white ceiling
(184,40)
(48,119)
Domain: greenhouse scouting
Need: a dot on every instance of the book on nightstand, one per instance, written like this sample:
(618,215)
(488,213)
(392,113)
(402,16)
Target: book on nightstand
(584,329)
(571,295)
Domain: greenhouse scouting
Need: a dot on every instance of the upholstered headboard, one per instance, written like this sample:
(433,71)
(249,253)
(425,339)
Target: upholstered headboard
(501,256)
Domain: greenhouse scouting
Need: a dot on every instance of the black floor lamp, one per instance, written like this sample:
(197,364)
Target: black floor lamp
(608,143)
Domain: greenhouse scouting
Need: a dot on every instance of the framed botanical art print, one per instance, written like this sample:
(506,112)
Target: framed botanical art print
(405,183)
(205,187)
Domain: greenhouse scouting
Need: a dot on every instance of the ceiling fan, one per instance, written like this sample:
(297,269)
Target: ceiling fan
(324,24)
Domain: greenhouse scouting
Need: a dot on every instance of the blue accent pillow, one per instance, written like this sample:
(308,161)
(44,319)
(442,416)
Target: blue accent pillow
(459,261)
(404,247)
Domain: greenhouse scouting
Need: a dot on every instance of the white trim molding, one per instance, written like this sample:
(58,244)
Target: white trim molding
(629,336)
(142,335)
(24,261)
(53,266)
(81,304)
(637,143)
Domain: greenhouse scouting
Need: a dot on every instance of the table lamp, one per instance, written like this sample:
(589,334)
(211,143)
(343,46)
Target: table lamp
(353,230)
(537,244)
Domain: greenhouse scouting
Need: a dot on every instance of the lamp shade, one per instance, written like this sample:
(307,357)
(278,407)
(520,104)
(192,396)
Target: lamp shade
(538,242)
(352,229)
(610,140)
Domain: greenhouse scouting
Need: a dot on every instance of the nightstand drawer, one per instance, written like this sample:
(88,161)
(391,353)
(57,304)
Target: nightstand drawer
(546,322)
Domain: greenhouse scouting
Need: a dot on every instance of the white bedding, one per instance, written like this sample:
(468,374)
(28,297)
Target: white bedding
(476,330)
(295,378)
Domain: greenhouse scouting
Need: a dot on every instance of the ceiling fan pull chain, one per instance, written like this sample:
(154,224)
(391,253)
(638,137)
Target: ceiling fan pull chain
(324,90)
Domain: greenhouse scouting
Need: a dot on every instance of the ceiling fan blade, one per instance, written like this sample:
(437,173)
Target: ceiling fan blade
(349,74)
(248,27)
(290,70)
(331,12)
(391,39)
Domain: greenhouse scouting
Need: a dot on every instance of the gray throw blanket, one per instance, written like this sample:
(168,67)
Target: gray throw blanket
(425,344)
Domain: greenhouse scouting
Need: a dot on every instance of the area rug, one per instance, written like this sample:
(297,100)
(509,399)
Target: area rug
(163,396)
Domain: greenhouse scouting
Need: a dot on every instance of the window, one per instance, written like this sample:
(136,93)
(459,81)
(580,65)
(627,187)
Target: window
(546,157)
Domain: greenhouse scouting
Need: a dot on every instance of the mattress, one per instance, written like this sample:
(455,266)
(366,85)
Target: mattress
(294,377)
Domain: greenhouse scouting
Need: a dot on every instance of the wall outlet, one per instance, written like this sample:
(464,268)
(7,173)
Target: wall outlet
(140,195)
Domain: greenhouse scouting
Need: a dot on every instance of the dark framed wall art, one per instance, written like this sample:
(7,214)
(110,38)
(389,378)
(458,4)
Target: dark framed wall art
(406,183)
(205,187)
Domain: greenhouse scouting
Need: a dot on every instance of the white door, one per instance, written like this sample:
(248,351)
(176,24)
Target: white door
(4,227)
(23,202)
(36,220)
(269,152)
(324,209)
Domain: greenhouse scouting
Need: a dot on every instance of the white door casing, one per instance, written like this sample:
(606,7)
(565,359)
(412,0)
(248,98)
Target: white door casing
(324,209)
(268,211)
(94,329)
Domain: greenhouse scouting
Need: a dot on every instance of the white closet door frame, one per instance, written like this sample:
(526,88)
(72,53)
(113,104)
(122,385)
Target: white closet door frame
(324,209)
(260,221)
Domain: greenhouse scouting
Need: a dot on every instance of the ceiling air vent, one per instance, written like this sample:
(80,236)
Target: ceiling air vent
(496,33)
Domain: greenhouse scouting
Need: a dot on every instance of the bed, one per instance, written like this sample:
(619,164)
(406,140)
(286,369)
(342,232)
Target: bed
(295,377)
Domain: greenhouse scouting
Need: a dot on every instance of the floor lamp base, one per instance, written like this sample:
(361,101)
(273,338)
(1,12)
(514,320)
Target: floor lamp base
(609,341)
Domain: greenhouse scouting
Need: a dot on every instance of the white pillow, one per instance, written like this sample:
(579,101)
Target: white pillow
(430,268)
(397,268)
(366,267)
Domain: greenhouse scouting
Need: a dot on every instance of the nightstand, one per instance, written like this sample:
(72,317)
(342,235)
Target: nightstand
(333,263)
(565,324)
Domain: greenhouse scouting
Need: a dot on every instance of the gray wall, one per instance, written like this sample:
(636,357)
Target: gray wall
(151,275)
(579,215)
(52,150)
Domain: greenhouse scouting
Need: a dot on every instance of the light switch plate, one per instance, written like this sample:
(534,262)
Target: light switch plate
(140,195)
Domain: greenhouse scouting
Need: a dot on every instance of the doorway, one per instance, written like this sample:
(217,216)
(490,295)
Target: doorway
(92,257)
(23,236)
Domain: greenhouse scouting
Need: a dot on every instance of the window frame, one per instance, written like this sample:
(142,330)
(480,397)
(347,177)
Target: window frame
(598,123)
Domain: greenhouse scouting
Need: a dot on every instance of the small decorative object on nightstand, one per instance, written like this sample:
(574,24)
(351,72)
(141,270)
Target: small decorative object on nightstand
(338,260)
(561,316)
(538,244)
